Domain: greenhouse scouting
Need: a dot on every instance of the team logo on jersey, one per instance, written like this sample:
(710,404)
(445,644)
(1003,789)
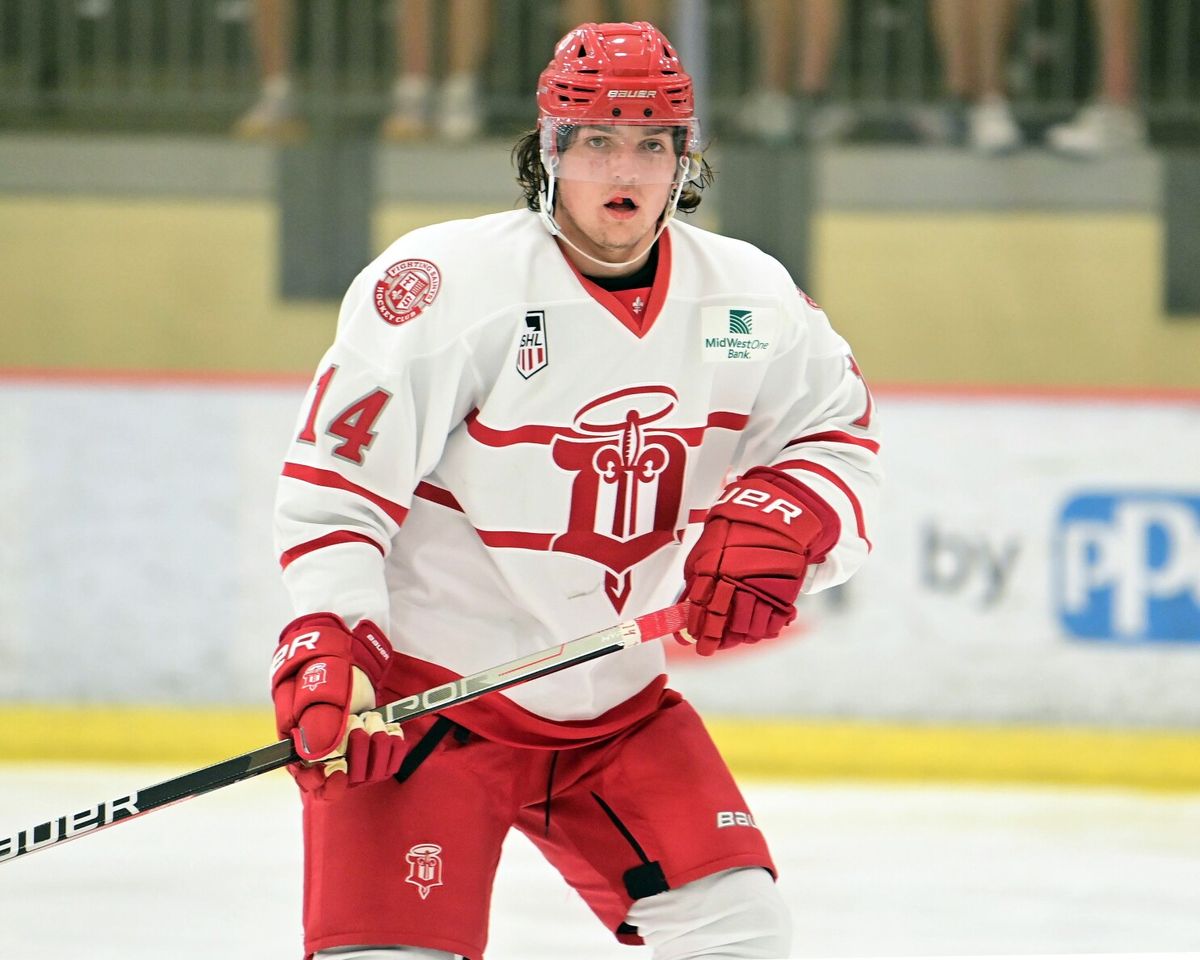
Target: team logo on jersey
(532,350)
(737,333)
(627,470)
(406,289)
(628,482)
(314,675)
(424,867)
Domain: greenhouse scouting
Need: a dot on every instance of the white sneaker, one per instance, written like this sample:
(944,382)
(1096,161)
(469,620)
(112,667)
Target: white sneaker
(769,115)
(460,114)
(830,122)
(273,117)
(1099,129)
(991,127)
(941,124)
(407,120)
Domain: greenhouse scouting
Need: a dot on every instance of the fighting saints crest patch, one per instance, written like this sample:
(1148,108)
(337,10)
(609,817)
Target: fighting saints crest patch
(424,867)
(406,289)
(532,350)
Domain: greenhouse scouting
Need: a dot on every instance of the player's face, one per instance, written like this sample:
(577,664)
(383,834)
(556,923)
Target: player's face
(613,184)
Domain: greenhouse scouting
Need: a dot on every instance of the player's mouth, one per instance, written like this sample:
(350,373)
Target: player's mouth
(621,207)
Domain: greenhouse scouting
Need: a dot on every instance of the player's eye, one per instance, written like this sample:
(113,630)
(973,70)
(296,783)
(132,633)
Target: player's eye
(654,146)
(596,143)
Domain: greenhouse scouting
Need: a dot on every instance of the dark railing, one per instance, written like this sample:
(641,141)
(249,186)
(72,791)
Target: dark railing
(187,64)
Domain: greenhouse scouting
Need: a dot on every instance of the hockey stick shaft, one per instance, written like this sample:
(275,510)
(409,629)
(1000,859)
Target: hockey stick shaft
(59,830)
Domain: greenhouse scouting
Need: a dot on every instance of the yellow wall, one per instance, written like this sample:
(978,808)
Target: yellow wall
(186,285)
(1015,298)
(1006,298)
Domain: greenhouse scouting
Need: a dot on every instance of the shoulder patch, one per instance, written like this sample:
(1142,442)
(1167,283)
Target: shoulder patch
(809,300)
(406,289)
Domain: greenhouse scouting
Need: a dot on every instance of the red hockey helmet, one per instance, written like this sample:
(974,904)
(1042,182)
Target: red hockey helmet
(614,73)
(618,74)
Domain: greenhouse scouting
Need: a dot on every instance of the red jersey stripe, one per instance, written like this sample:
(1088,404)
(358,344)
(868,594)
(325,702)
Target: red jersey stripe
(545,435)
(838,482)
(533,433)
(335,481)
(719,420)
(439,495)
(837,436)
(516,539)
(329,540)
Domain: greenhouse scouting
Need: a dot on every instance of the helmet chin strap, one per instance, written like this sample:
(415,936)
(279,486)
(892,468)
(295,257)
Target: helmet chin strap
(546,205)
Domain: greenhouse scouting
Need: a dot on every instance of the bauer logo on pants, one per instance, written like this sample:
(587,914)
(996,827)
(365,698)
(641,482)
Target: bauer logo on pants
(424,867)
(532,350)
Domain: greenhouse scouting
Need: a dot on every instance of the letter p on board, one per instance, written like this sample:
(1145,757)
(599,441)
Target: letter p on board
(1127,566)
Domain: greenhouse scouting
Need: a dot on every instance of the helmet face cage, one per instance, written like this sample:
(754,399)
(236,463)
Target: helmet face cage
(622,79)
(635,152)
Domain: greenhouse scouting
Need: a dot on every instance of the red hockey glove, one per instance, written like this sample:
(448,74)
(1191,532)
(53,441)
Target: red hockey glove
(323,675)
(744,573)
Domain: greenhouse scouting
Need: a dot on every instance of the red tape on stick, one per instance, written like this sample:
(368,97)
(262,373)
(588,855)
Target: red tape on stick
(660,623)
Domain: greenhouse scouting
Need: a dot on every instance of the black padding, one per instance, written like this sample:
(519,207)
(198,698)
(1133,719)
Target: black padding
(645,880)
(424,747)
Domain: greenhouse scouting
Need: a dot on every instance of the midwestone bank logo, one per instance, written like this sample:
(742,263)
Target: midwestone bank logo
(1127,566)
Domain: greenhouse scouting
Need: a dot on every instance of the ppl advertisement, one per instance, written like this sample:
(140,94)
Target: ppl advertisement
(1128,566)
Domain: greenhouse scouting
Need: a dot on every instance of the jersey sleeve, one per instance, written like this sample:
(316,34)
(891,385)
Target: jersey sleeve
(815,421)
(374,421)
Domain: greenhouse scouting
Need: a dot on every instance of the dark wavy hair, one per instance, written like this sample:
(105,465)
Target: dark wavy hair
(531,175)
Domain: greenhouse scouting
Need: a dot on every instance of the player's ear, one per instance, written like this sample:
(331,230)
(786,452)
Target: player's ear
(690,167)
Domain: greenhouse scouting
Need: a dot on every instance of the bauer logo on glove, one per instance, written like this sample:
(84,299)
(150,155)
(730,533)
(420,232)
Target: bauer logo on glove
(745,572)
(759,499)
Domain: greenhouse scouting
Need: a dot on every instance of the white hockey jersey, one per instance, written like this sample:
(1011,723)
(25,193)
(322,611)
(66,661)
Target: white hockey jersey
(494,457)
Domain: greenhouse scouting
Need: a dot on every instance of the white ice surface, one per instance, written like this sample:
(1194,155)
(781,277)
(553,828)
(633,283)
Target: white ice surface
(868,871)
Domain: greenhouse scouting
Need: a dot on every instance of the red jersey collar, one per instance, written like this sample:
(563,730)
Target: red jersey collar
(639,327)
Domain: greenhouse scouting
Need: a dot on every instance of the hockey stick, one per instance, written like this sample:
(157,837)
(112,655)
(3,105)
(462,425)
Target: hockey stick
(628,633)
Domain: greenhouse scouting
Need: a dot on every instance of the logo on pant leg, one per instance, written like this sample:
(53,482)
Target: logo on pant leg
(424,867)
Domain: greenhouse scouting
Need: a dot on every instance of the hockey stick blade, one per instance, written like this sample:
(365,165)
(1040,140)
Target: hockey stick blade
(59,830)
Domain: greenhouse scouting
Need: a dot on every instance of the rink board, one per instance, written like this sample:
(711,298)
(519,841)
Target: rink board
(1036,564)
(754,748)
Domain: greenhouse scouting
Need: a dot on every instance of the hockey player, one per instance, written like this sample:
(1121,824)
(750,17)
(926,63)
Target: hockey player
(525,431)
